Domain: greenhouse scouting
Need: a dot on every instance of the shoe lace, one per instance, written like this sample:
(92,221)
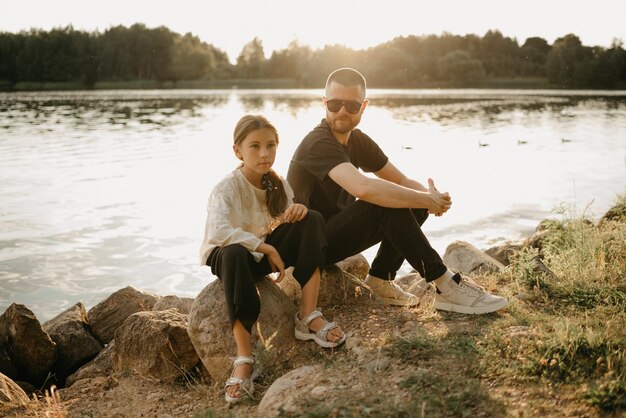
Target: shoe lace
(471,288)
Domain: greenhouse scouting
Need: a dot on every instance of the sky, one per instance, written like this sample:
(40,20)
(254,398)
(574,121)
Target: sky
(230,24)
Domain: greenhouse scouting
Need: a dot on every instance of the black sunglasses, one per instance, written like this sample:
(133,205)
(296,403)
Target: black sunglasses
(351,106)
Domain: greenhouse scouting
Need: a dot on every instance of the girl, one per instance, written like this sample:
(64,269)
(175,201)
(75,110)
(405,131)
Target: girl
(253,228)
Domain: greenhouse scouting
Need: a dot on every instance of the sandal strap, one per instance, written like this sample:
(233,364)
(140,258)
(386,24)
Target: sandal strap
(232,381)
(238,361)
(323,332)
(311,317)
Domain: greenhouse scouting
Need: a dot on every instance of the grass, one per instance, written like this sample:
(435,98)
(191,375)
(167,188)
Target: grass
(575,319)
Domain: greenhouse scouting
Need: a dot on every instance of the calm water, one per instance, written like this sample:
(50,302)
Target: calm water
(100,190)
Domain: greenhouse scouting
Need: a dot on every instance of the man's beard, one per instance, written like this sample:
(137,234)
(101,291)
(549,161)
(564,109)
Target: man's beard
(347,126)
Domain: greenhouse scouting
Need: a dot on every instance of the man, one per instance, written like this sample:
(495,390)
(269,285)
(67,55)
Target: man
(324,173)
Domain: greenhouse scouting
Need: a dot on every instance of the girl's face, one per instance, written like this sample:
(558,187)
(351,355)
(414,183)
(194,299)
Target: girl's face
(257,151)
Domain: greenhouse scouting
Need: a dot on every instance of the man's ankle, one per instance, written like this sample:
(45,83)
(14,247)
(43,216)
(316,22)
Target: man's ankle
(443,282)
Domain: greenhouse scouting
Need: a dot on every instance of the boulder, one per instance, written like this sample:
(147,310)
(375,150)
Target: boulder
(30,348)
(102,365)
(337,287)
(6,367)
(463,257)
(155,344)
(356,265)
(282,396)
(211,333)
(503,253)
(11,393)
(111,313)
(75,344)
(168,302)
(617,213)
(414,284)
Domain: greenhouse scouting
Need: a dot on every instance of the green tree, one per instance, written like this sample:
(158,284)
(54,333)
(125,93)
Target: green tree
(251,59)
(460,68)
(566,64)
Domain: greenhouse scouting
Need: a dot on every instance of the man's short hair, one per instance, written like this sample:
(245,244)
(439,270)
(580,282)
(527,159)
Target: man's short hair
(347,77)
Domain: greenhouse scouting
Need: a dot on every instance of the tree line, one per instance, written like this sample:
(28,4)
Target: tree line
(138,53)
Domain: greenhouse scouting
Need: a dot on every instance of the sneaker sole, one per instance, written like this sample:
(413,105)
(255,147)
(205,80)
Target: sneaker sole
(397,302)
(451,307)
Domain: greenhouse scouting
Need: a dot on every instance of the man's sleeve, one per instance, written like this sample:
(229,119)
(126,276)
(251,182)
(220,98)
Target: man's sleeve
(372,158)
(324,156)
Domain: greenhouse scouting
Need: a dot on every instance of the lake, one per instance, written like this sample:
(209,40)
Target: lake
(105,189)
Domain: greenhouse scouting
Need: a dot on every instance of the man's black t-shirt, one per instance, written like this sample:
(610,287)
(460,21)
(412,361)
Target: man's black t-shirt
(318,153)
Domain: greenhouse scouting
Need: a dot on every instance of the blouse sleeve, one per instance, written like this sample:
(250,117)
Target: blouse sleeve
(288,192)
(220,232)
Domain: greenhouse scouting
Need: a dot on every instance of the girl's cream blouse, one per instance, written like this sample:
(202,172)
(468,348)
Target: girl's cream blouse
(237,214)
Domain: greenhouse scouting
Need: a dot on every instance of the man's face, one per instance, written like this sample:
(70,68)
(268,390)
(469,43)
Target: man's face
(342,121)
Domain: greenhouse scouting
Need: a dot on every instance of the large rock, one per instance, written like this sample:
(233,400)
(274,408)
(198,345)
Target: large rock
(155,344)
(617,213)
(168,302)
(6,367)
(356,265)
(503,253)
(463,257)
(337,287)
(283,395)
(11,393)
(31,350)
(415,284)
(110,314)
(102,365)
(75,344)
(211,333)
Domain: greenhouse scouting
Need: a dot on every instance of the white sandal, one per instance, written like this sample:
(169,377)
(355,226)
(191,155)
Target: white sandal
(246,386)
(320,337)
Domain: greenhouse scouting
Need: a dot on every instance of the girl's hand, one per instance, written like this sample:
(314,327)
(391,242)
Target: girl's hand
(294,213)
(277,265)
(274,259)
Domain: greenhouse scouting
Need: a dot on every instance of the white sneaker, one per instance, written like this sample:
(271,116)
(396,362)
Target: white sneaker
(463,296)
(391,293)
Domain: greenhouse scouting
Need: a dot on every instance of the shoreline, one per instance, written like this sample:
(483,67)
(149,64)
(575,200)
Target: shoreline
(525,83)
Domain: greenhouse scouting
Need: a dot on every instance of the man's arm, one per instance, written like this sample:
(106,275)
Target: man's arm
(390,173)
(382,192)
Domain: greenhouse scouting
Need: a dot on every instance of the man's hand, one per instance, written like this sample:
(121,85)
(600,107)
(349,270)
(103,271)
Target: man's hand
(441,201)
(294,213)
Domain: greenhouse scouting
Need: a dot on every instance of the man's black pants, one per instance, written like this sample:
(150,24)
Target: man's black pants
(362,225)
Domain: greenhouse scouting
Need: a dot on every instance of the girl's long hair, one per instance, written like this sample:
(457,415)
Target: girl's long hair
(276,196)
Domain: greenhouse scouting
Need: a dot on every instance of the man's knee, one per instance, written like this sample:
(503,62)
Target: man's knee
(420,215)
(314,217)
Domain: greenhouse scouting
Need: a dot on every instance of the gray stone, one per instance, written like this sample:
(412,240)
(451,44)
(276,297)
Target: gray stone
(377,365)
(11,393)
(282,396)
(102,365)
(503,252)
(30,348)
(211,333)
(167,302)
(463,257)
(155,344)
(75,344)
(356,265)
(111,313)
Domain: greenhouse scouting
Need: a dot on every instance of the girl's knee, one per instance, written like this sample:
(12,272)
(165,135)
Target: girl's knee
(234,252)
